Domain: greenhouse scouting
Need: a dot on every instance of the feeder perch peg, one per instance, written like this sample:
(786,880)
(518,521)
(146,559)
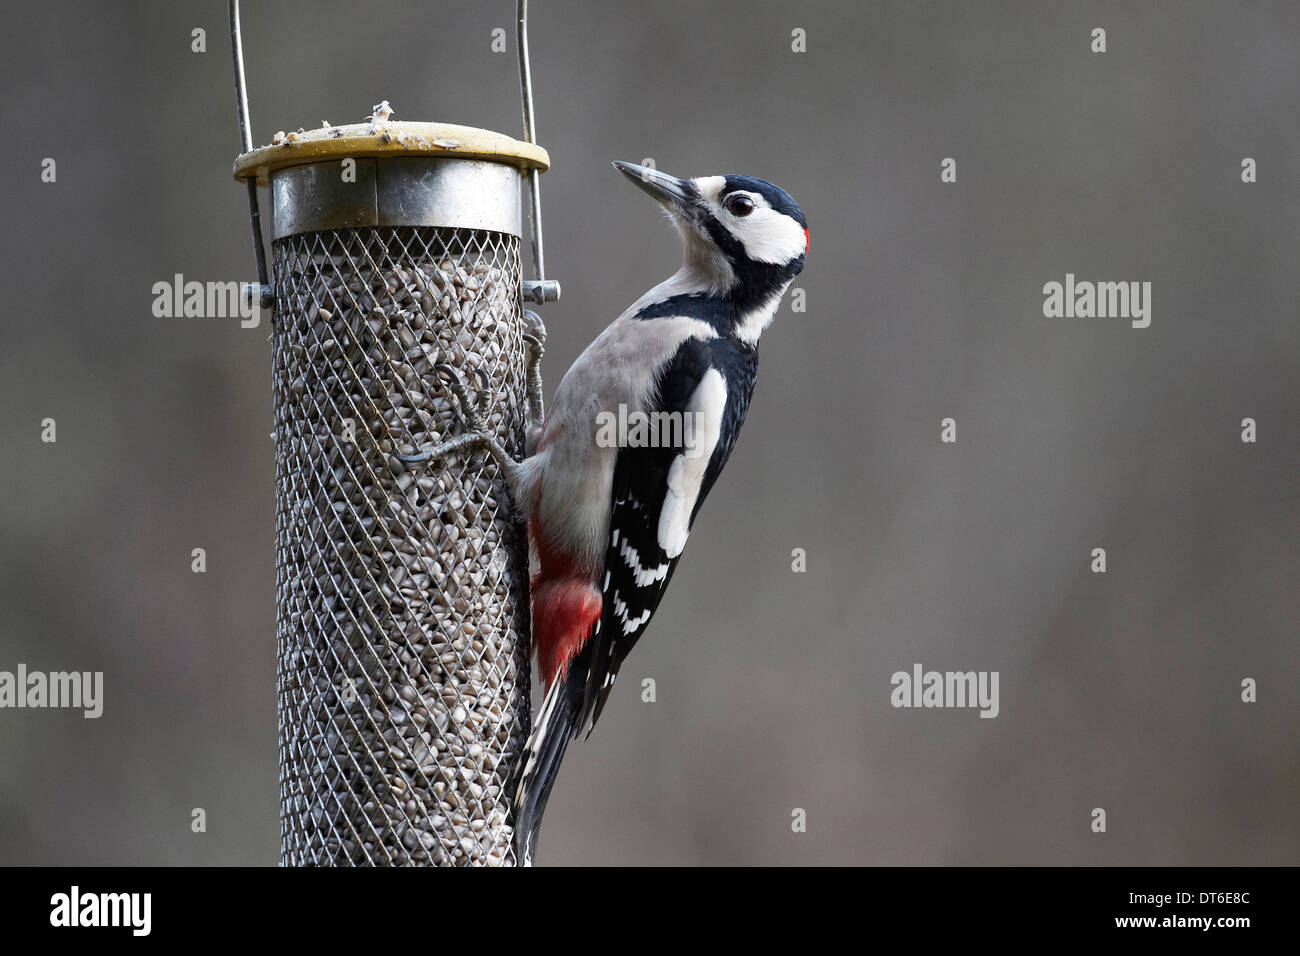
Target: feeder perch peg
(541,291)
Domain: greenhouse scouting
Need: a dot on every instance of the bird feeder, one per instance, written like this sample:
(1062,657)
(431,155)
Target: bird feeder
(402,588)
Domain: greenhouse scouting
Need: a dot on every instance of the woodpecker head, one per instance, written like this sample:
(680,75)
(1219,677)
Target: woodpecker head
(745,237)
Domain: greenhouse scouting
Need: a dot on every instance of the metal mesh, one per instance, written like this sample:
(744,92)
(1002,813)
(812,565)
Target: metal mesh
(401,589)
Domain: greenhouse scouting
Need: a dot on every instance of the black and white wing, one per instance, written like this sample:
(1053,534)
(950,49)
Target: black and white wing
(656,494)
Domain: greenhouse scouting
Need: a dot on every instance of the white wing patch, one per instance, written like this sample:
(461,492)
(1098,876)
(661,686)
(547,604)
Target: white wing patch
(687,473)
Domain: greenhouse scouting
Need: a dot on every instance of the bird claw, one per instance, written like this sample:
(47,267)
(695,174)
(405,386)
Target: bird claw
(478,437)
(534,327)
(534,334)
(477,410)
(536,347)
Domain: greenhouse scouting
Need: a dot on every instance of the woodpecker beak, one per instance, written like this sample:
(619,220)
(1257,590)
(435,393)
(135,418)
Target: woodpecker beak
(679,195)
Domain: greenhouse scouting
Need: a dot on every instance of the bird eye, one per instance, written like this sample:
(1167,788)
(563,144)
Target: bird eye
(739,205)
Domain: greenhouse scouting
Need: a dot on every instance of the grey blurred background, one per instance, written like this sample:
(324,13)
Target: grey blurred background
(923,301)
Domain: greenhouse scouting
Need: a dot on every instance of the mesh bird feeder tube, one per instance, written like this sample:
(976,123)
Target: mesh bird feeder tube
(401,588)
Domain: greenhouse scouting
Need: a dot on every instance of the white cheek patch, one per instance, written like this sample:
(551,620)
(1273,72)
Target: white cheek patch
(770,236)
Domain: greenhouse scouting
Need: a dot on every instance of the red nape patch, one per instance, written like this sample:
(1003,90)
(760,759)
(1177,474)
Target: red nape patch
(565,611)
(807,241)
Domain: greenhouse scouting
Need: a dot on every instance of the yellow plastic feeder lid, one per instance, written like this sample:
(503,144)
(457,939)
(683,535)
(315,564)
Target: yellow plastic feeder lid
(391,138)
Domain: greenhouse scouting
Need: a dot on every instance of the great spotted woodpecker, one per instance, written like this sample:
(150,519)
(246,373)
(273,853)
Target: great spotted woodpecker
(607,522)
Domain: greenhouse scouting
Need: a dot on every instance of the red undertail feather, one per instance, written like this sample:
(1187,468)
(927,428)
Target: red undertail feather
(566,602)
(565,611)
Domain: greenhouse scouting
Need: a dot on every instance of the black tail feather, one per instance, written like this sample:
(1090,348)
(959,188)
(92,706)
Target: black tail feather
(557,723)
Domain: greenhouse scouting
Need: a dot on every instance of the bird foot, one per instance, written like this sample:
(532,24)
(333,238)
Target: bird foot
(535,343)
(478,437)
